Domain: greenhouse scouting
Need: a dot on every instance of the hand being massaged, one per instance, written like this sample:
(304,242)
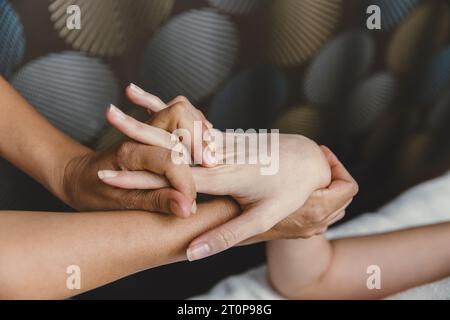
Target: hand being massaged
(309,192)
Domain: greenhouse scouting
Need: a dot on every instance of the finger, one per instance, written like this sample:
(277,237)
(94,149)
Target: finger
(338,171)
(183,120)
(201,116)
(195,111)
(210,150)
(328,221)
(202,153)
(226,236)
(139,131)
(176,117)
(166,200)
(343,187)
(144,99)
(133,180)
(338,217)
(334,218)
(138,157)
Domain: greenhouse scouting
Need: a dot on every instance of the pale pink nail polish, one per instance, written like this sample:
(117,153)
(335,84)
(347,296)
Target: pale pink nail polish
(117,112)
(137,90)
(198,252)
(104,174)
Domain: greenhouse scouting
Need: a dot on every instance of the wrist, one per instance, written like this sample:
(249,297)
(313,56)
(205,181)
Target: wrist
(57,175)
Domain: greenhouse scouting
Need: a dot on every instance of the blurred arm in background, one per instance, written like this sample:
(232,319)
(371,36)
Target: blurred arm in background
(320,269)
(316,268)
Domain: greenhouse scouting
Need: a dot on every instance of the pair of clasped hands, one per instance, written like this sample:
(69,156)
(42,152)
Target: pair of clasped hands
(310,191)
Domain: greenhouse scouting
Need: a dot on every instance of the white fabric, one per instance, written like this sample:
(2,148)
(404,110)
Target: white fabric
(427,203)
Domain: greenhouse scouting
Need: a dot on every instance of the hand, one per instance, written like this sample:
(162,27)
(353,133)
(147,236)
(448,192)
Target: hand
(265,200)
(177,116)
(324,207)
(83,190)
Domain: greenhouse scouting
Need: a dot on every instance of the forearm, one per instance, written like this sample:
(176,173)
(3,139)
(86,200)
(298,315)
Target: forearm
(31,143)
(406,259)
(37,248)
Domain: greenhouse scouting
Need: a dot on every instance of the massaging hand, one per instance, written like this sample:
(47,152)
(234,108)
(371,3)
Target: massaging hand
(264,199)
(84,191)
(323,209)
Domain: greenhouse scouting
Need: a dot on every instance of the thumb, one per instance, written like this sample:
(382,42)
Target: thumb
(165,200)
(230,234)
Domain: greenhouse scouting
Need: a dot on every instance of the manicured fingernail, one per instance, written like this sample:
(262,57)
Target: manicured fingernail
(194,207)
(104,174)
(117,112)
(136,89)
(198,252)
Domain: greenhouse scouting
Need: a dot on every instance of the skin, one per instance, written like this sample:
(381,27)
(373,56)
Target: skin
(316,268)
(69,170)
(111,245)
(302,170)
(320,269)
(37,247)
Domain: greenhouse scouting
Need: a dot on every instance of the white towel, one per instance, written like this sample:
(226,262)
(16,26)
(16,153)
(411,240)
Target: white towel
(428,203)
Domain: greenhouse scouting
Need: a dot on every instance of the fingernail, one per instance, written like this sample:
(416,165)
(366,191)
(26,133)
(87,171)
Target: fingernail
(198,252)
(136,89)
(117,112)
(209,125)
(194,207)
(104,174)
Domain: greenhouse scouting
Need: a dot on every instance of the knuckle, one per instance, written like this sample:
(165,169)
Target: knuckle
(339,217)
(230,208)
(155,201)
(355,188)
(182,99)
(227,237)
(166,157)
(132,200)
(178,109)
(126,149)
(166,161)
(316,214)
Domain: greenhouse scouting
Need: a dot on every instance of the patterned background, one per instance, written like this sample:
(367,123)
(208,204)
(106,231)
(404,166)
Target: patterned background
(379,99)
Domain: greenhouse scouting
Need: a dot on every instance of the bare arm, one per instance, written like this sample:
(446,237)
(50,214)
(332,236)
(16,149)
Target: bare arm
(318,269)
(26,136)
(36,248)
(69,170)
